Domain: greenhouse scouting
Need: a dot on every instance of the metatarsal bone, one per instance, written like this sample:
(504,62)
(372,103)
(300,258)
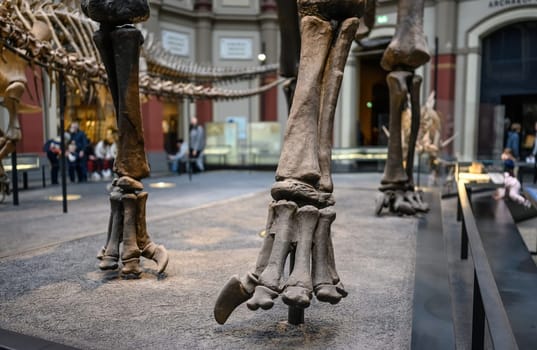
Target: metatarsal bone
(299,156)
(327,285)
(142,237)
(130,256)
(299,286)
(333,74)
(115,231)
(282,229)
(264,254)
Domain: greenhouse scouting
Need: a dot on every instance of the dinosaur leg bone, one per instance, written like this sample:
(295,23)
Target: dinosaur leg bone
(394,174)
(115,231)
(131,158)
(150,250)
(326,282)
(294,218)
(394,182)
(299,157)
(282,229)
(408,48)
(331,83)
(130,256)
(414,126)
(299,287)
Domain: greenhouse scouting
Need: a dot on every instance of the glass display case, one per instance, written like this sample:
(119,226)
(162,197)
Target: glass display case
(237,142)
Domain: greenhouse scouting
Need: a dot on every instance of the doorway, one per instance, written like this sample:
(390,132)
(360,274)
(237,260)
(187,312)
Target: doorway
(374,102)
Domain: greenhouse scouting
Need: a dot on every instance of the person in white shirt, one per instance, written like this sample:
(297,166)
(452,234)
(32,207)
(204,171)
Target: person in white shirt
(105,152)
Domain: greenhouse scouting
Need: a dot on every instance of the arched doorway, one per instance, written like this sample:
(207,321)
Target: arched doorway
(508,90)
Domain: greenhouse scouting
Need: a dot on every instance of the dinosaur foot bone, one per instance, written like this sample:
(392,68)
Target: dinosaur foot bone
(401,202)
(303,235)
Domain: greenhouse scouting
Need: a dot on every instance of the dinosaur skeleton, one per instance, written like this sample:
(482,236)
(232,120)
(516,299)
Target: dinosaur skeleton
(72,52)
(12,85)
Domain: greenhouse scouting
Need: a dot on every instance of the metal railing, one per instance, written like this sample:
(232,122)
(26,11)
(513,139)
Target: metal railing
(487,302)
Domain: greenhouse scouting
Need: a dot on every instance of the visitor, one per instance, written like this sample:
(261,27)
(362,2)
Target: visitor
(81,142)
(197,144)
(53,150)
(105,152)
(73,160)
(179,157)
(513,140)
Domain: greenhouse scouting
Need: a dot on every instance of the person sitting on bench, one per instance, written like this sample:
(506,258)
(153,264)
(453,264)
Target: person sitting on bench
(180,157)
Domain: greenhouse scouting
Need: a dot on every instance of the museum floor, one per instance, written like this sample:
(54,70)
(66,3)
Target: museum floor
(52,289)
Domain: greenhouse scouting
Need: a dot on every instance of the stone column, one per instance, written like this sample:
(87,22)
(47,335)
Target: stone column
(269,46)
(204,52)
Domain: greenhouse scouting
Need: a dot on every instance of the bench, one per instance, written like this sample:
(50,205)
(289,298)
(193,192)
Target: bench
(25,162)
(355,158)
(218,151)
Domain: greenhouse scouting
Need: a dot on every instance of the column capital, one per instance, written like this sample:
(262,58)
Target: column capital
(268,6)
(203,5)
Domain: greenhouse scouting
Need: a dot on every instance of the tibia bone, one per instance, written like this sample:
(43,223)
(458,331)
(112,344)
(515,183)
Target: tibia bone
(299,155)
(394,174)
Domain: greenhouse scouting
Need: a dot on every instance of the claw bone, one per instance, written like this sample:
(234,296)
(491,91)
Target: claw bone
(235,292)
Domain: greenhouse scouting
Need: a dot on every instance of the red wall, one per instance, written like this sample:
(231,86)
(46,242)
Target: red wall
(204,111)
(269,101)
(152,121)
(445,96)
(32,124)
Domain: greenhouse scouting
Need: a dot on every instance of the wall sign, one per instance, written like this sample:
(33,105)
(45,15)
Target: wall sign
(506,3)
(236,48)
(238,3)
(176,43)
